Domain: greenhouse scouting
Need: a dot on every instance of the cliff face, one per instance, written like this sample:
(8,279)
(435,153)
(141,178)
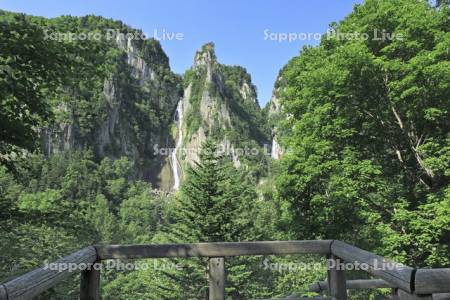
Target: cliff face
(126,113)
(274,116)
(125,101)
(220,102)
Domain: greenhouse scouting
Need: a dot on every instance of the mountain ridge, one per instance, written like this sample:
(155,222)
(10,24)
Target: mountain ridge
(123,101)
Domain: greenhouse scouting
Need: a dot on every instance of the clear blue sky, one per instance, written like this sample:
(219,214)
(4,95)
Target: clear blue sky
(236,27)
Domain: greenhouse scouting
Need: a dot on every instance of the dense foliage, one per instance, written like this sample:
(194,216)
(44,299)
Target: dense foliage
(31,69)
(364,124)
(368,134)
(214,205)
(75,84)
(56,206)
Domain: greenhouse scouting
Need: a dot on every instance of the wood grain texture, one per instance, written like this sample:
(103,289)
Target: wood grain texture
(300,298)
(355,284)
(336,281)
(402,295)
(395,273)
(3,294)
(217,278)
(409,283)
(35,282)
(90,285)
(212,249)
(429,281)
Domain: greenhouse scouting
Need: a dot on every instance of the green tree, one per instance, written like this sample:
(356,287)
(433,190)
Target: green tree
(55,206)
(32,68)
(210,192)
(368,133)
(215,204)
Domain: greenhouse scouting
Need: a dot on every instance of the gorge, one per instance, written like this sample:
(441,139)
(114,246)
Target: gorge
(353,146)
(138,107)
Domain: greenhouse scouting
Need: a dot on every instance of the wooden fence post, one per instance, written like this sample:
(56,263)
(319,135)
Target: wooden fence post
(3,292)
(90,284)
(216,278)
(336,279)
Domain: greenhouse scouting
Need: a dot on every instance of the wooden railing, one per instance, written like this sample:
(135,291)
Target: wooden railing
(408,283)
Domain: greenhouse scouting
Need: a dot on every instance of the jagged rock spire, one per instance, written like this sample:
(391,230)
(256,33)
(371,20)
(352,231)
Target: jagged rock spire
(206,55)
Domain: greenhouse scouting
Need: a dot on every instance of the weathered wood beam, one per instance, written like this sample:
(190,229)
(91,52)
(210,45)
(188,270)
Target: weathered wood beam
(3,292)
(411,283)
(429,281)
(402,295)
(216,278)
(35,282)
(395,273)
(212,249)
(336,280)
(90,284)
(355,284)
(299,298)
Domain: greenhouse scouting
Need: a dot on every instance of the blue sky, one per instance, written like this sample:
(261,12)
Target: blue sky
(243,31)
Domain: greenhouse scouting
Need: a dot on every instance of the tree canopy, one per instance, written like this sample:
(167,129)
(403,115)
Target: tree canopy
(368,133)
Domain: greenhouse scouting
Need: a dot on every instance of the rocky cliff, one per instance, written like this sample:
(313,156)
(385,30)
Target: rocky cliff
(122,105)
(274,116)
(124,100)
(220,102)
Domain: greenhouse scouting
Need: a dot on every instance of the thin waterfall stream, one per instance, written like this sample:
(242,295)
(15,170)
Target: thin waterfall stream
(176,166)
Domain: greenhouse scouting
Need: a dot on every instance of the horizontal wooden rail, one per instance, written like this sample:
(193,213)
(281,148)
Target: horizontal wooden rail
(441,296)
(432,281)
(397,274)
(293,297)
(213,249)
(353,285)
(410,283)
(37,281)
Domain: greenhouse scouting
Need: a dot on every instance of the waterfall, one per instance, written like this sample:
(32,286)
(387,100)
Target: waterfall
(176,166)
(276,149)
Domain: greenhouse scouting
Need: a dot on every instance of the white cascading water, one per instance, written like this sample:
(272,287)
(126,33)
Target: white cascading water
(176,167)
(276,149)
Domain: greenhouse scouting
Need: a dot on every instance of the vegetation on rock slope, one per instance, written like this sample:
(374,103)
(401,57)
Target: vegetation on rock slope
(368,154)
(114,96)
